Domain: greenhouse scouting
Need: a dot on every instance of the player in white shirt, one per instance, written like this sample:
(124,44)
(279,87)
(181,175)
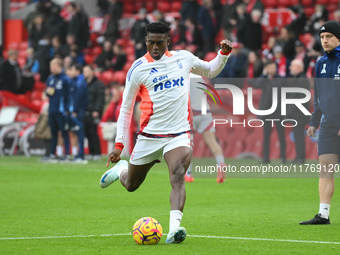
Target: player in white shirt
(161,78)
(203,124)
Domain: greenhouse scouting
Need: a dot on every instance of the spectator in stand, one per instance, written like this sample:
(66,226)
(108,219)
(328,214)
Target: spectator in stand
(10,73)
(208,19)
(255,65)
(43,55)
(189,9)
(193,37)
(336,15)
(67,62)
(77,109)
(298,79)
(58,47)
(37,31)
(57,89)
(267,53)
(138,33)
(106,55)
(300,51)
(312,25)
(94,111)
(159,17)
(229,19)
(39,10)
(55,25)
(77,55)
(119,58)
(237,66)
(280,61)
(287,41)
(78,26)
(177,33)
(266,82)
(112,111)
(103,7)
(299,22)
(250,31)
(115,12)
(31,63)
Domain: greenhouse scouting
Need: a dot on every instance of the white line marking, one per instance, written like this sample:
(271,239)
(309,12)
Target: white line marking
(194,236)
(59,237)
(264,239)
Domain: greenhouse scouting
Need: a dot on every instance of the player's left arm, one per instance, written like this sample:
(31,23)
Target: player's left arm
(212,68)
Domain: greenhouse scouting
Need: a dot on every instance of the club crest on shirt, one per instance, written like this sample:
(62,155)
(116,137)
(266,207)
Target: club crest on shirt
(179,63)
(323,68)
(59,85)
(338,71)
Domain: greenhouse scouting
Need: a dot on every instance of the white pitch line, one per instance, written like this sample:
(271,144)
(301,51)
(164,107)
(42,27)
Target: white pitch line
(60,237)
(194,236)
(264,239)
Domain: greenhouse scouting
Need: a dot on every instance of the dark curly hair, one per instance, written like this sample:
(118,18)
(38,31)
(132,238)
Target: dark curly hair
(157,28)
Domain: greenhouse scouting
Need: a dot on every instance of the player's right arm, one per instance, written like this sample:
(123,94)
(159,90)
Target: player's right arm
(125,115)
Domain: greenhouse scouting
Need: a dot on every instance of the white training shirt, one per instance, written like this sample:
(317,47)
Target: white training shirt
(163,86)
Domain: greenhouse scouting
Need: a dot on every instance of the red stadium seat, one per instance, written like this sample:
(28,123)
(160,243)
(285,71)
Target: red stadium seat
(13,46)
(89,59)
(325,2)
(128,8)
(119,77)
(130,50)
(307,3)
(22,53)
(21,61)
(149,6)
(284,3)
(107,77)
(97,50)
(98,75)
(163,6)
(269,3)
(36,95)
(176,6)
(23,45)
(309,11)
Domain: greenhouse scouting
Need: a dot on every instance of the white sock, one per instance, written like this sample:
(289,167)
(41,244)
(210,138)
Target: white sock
(121,169)
(324,210)
(219,159)
(60,150)
(74,150)
(175,219)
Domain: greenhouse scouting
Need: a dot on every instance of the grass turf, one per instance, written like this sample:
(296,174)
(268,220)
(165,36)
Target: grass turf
(54,200)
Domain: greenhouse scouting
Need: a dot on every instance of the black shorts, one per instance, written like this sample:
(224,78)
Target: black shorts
(329,141)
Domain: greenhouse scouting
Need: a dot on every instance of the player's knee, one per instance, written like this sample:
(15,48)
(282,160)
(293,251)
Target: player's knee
(131,186)
(177,179)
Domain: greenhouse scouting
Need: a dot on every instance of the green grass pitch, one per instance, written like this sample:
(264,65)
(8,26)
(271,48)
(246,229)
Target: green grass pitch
(60,209)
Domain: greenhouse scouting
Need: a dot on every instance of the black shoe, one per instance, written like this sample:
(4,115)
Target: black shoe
(317,220)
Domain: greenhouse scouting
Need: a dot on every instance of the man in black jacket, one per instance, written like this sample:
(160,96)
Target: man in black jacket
(10,73)
(96,91)
(267,82)
(138,33)
(297,78)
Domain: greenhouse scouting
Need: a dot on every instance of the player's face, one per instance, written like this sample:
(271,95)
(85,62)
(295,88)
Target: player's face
(157,44)
(329,41)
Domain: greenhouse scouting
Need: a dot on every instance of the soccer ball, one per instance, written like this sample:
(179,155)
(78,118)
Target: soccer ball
(147,230)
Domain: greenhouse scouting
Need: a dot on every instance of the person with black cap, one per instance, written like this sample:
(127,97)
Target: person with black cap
(327,115)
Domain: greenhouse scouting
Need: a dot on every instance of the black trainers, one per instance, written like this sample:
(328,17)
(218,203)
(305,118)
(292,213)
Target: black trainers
(317,220)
